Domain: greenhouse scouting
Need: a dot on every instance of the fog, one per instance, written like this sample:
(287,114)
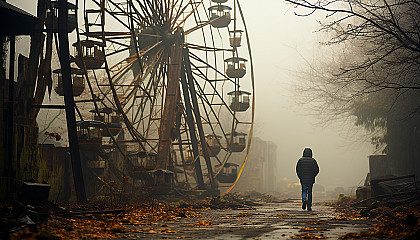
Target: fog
(282,45)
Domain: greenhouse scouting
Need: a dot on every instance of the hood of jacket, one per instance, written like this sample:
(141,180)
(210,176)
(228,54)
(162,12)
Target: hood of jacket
(307,152)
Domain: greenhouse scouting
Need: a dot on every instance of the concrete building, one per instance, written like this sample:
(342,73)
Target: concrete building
(260,173)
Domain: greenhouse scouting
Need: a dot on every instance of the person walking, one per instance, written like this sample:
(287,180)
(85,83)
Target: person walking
(307,169)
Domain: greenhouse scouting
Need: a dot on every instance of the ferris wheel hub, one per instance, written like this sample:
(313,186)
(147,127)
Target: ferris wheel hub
(169,39)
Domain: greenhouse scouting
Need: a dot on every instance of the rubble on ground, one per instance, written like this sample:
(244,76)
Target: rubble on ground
(106,220)
(396,220)
(71,221)
(251,198)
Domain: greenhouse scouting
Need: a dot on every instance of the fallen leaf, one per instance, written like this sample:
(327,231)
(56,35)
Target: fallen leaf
(309,236)
(203,223)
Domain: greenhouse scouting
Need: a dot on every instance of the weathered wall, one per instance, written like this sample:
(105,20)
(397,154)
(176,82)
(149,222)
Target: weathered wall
(25,160)
(55,169)
(403,153)
(3,171)
(25,152)
(260,169)
(381,166)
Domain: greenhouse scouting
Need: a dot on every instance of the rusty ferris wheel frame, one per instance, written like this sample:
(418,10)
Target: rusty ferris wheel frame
(169,92)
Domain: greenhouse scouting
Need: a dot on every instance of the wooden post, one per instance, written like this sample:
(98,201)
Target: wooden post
(10,111)
(69,101)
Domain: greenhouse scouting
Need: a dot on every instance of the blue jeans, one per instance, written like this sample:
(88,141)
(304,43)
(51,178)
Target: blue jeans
(307,195)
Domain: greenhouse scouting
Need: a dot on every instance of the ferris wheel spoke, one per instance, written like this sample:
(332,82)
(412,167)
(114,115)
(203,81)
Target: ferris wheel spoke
(120,64)
(210,66)
(135,86)
(134,133)
(213,128)
(161,9)
(138,80)
(205,100)
(110,13)
(152,7)
(146,14)
(148,35)
(205,48)
(116,77)
(200,26)
(110,34)
(123,70)
(189,14)
(100,90)
(142,21)
(169,9)
(116,52)
(123,10)
(223,103)
(178,12)
(118,43)
(198,21)
(142,103)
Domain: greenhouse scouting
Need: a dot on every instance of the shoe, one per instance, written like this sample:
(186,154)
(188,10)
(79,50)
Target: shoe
(304,205)
(309,209)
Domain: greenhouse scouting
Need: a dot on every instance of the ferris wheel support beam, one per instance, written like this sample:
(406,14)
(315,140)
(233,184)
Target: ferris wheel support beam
(181,148)
(191,128)
(69,102)
(198,117)
(169,113)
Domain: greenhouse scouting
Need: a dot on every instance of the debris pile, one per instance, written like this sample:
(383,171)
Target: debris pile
(19,216)
(251,198)
(72,221)
(396,221)
(241,200)
(105,220)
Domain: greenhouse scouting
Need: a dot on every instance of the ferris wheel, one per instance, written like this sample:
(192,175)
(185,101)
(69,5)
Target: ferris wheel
(171,85)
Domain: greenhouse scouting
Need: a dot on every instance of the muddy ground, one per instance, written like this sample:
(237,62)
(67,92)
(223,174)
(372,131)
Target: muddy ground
(252,216)
(282,220)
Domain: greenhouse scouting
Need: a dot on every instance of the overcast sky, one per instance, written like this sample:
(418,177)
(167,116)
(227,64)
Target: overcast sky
(280,42)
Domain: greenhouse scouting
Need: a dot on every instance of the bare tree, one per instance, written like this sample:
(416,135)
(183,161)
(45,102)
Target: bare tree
(376,77)
(389,32)
(384,41)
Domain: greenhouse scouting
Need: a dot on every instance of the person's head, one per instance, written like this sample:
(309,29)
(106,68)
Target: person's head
(307,152)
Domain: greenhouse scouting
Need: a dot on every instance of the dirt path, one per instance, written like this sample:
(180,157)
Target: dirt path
(283,220)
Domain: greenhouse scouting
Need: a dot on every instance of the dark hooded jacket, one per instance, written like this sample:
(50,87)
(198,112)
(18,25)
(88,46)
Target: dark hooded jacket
(307,168)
